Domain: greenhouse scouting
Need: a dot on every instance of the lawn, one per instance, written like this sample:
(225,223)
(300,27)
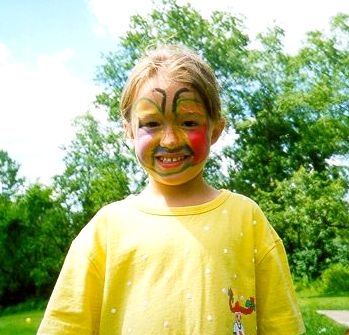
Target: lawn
(27,323)
(24,323)
(319,324)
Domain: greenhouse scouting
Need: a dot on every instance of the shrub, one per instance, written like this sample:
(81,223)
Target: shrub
(335,279)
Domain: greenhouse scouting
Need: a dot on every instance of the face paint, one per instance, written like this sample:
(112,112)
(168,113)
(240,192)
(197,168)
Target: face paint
(191,110)
(199,143)
(191,107)
(171,141)
(144,108)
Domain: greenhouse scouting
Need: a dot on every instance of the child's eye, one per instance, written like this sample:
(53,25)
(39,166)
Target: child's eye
(149,124)
(190,123)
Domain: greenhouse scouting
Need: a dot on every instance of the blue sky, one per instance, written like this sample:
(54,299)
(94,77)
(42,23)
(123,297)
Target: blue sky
(31,28)
(50,49)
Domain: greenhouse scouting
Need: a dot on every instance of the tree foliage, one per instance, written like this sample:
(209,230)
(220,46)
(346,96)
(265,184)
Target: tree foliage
(297,114)
(34,236)
(96,170)
(9,180)
(310,212)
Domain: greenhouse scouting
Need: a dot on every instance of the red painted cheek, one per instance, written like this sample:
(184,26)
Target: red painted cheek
(199,143)
(144,147)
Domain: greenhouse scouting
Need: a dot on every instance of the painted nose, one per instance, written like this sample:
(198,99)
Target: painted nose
(170,138)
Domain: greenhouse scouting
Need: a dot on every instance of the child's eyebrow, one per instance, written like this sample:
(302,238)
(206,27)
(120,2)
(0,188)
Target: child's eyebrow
(164,97)
(176,97)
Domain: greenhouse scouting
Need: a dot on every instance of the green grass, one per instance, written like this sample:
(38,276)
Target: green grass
(24,323)
(310,302)
(320,324)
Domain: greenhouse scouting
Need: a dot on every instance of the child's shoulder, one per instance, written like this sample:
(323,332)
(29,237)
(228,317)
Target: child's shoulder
(118,206)
(241,200)
(117,209)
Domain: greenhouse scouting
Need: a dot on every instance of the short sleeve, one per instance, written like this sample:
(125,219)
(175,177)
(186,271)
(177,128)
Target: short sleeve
(75,303)
(277,307)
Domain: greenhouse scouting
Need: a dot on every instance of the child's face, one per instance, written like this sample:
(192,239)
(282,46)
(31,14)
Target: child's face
(171,131)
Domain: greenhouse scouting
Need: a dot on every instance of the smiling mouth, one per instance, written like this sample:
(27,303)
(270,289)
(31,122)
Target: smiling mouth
(172,162)
(171,159)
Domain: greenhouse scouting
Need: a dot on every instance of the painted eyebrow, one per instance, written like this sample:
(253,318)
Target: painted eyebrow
(163,102)
(176,97)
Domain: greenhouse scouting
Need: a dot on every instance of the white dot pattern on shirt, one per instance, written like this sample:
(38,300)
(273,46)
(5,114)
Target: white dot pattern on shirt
(189,296)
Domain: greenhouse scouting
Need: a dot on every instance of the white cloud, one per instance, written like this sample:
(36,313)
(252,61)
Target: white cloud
(38,103)
(296,17)
(112,17)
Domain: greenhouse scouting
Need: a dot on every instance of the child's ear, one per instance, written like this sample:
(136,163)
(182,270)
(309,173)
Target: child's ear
(128,131)
(218,127)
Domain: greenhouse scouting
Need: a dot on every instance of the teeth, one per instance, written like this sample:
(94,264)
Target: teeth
(171,159)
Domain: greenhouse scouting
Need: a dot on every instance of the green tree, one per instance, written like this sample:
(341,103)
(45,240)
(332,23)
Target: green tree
(297,113)
(96,170)
(34,236)
(311,212)
(9,180)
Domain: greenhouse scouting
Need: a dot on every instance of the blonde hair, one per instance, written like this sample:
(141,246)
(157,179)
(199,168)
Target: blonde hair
(180,65)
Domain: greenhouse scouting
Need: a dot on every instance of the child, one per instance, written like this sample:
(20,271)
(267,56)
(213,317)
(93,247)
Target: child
(181,257)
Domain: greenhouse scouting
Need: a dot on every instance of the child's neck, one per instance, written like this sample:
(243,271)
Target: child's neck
(194,192)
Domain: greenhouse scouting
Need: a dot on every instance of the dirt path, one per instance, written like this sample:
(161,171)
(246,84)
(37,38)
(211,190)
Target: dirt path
(341,317)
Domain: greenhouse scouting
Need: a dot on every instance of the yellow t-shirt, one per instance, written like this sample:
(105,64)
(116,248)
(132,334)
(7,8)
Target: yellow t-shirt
(215,268)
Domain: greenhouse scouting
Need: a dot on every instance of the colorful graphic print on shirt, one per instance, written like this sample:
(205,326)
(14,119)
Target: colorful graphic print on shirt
(238,311)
